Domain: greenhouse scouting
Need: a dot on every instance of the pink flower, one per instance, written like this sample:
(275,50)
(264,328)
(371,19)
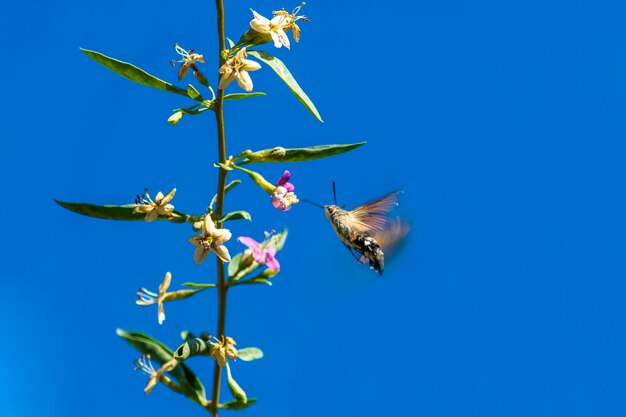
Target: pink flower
(283,196)
(264,256)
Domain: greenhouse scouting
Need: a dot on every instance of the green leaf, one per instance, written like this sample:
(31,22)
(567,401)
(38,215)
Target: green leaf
(237,405)
(235,389)
(249,39)
(125,212)
(281,70)
(193,93)
(200,286)
(133,73)
(230,42)
(227,188)
(241,96)
(310,153)
(189,383)
(249,354)
(236,215)
(253,281)
(223,166)
(192,347)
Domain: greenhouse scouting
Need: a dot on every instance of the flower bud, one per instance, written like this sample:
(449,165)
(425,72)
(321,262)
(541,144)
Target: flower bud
(175,118)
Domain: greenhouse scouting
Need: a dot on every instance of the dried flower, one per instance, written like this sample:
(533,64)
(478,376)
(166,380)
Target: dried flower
(159,207)
(189,61)
(144,364)
(261,253)
(210,239)
(283,196)
(223,349)
(236,68)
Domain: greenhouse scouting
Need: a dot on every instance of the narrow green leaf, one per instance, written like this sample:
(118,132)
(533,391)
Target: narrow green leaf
(253,281)
(249,354)
(190,384)
(281,70)
(230,42)
(223,166)
(279,154)
(241,96)
(125,212)
(193,93)
(227,188)
(236,215)
(133,73)
(237,405)
(235,389)
(200,286)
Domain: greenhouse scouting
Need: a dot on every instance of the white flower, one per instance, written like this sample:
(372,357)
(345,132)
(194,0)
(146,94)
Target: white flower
(237,68)
(211,239)
(275,27)
(160,205)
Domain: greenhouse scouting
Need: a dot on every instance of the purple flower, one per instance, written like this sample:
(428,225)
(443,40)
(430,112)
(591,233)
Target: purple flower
(283,182)
(264,256)
(283,196)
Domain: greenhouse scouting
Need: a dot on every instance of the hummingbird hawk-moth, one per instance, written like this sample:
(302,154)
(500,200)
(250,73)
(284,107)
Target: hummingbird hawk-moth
(368,229)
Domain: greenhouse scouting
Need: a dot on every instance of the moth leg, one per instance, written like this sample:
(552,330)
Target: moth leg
(359,260)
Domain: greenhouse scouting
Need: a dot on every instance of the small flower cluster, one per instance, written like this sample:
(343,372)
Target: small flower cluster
(237,67)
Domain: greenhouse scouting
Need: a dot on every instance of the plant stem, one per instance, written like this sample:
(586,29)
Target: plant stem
(222,286)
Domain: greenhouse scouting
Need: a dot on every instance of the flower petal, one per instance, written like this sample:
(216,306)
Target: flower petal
(200,254)
(226,79)
(249,242)
(166,283)
(272,263)
(250,65)
(284,178)
(222,235)
(161,313)
(222,252)
(209,226)
(244,80)
(152,215)
(168,197)
(282,37)
(182,72)
(276,39)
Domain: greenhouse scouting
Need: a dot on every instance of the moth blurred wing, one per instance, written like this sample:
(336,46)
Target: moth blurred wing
(374,216)
(389,238)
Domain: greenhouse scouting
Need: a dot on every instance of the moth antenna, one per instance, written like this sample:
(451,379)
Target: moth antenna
(334,193)
(312,202)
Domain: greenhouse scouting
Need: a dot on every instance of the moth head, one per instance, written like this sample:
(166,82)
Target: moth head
(329,210)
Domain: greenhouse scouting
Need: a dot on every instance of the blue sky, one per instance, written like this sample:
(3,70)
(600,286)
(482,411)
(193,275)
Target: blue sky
(503,122)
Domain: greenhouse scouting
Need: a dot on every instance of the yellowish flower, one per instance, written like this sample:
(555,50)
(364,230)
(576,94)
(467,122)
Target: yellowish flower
(189,61)
(159,207)
(236,68)
(223,349)
(148,297)
(145,365)
(211,239)
(275,27)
